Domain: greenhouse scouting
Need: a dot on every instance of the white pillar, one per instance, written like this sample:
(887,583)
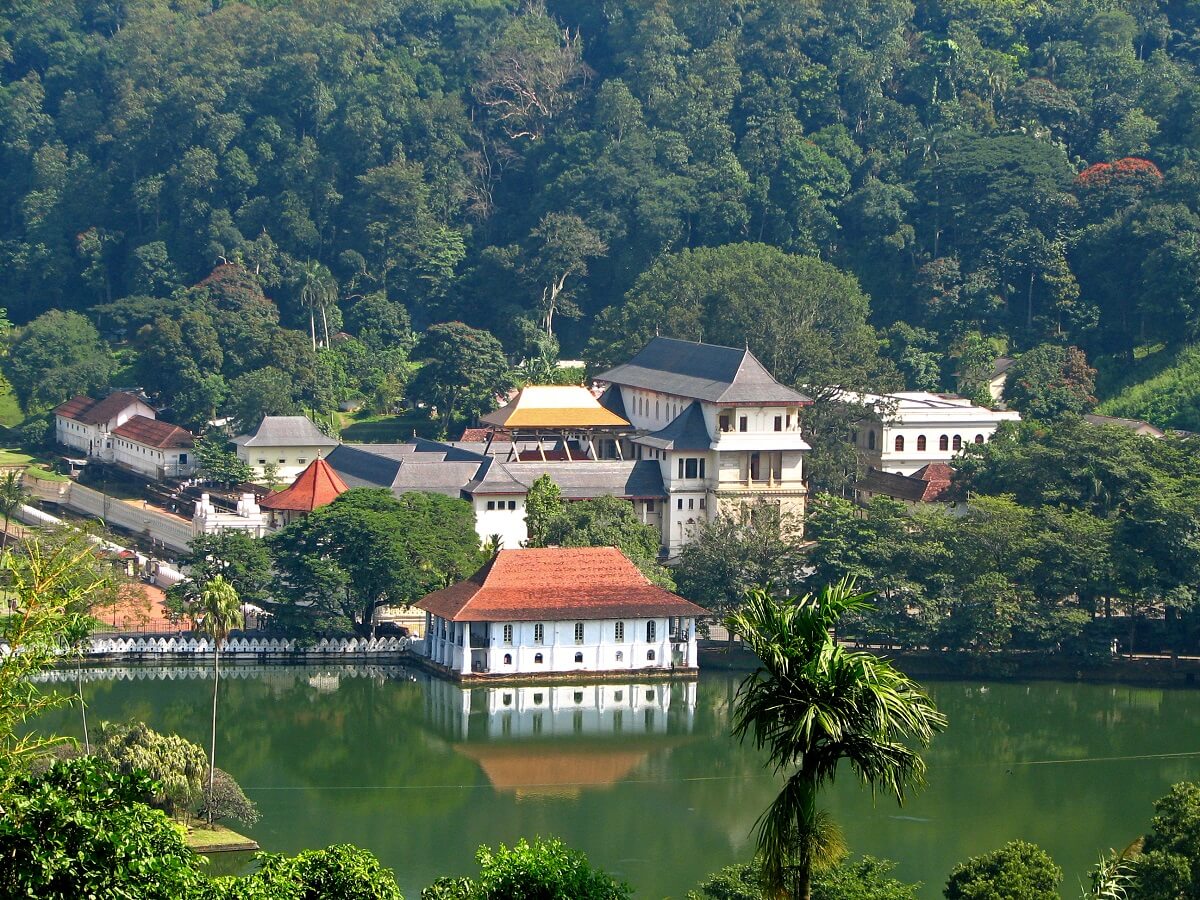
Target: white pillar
(466,648)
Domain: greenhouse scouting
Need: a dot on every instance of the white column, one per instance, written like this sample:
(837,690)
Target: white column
(466,648)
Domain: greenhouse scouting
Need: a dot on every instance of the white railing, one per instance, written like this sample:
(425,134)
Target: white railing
(190,646)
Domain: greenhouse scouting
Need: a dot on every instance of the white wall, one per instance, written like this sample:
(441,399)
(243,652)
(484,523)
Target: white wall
(599,648)
(291,461)
(508,523)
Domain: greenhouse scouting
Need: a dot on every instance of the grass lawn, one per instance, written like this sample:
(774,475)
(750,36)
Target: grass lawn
(40,472)
(10,410)
(14,457)
(365,428)
(203,839)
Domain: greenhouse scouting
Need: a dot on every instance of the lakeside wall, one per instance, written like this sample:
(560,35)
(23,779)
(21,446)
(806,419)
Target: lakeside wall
(1151,670)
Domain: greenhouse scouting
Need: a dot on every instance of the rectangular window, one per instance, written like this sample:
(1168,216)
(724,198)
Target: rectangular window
(650,631)
(539,633)
(508,634)
(681,469)
(282,461)
(491,504)
(743,424)
(512,504)
(788,421)
(691,503)
(779,423)
(579,632)
(262,462)
(679,503)
(701,468)
(619,632)
(183,459)
(725,423)
(693,466)
(302,460)
(702,503)
(649,506)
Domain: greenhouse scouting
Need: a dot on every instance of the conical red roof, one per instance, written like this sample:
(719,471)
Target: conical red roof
(316,486)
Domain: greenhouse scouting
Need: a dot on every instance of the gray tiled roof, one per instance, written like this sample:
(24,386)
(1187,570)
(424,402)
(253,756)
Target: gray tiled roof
(701,372)
(286,431)
(576,480)
(687,431)
(612,400)
(420,466)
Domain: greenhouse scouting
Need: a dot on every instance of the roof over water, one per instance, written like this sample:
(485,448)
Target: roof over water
(556,584)
(706,372)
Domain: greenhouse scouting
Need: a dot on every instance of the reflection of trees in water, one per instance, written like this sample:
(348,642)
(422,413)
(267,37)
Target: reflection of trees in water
(687,804)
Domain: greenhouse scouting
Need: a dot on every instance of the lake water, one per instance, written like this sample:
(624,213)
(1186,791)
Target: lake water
(644,777)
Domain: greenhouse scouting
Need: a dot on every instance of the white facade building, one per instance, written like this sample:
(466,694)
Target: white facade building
(122,429)
(248,517)
(85,424)
(723,431)
(558,610)
(288,442)
(910,430)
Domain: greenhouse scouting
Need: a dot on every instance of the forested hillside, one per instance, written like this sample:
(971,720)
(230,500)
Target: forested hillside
(992,175)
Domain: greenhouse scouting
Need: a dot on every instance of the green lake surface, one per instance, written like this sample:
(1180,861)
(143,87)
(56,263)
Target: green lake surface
(644,777)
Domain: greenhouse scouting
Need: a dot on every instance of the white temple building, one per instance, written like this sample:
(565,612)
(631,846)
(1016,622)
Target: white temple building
(558,610)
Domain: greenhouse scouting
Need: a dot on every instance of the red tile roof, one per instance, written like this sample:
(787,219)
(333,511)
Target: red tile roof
(153,433)
(93,412)
(480,435)
(556,584)
(316,486)
(937,477)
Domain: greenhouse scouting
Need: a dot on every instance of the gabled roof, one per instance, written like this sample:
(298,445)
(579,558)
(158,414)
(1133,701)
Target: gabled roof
(1138,425)
(153,433)
(578,480)
(554,406)
(316,486)
(687,431)
(610,398)
(926,485)
(702,372)
(556,584)
(419,466)
(286,431)
(93,412)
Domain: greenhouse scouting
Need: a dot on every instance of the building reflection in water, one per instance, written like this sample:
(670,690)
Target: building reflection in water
(540,741)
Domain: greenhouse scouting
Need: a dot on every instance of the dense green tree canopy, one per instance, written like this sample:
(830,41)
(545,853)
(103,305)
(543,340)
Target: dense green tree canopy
(368,549)
(1017,871)
(1024,171)
(54,357)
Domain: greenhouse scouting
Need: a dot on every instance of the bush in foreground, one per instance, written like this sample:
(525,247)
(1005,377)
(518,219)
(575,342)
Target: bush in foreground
(537,870)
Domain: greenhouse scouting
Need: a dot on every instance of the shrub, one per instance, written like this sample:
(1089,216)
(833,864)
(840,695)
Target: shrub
(228,801)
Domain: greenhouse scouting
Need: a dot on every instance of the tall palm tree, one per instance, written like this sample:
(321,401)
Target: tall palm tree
(813,704)
(220,613)
(318,291)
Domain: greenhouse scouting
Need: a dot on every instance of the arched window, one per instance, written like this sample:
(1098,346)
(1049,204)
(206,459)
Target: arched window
(537,659)
(958,442)
(979,438)
(578,657)
(899,443)
(944,442)
(650,655)
(650,630)
(507,662)
(920,443)
(871,439)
